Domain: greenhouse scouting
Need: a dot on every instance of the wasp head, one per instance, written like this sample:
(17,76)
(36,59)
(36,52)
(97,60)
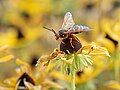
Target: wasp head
(62,33)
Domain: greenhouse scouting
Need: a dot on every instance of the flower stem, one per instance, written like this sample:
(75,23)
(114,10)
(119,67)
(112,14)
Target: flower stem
(73,80)
(73,72)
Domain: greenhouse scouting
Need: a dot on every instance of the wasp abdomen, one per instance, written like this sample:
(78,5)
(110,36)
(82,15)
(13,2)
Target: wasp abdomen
(70,44)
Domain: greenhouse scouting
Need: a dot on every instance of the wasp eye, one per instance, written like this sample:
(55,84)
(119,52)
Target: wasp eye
(62,33)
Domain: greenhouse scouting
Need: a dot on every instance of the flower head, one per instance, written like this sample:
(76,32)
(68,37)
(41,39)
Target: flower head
(23,78)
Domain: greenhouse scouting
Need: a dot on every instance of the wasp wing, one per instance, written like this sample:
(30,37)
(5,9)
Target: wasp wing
(68,22)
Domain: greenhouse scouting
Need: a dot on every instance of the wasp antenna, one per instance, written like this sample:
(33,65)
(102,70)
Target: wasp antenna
(47,28)
(53,32)
(50,30)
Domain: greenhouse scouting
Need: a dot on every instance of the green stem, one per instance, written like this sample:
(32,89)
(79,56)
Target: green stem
(73,80)
(73,72)
(117,70)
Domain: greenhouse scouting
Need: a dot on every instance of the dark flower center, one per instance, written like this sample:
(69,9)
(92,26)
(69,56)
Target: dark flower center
(34,60)
(27,78)
(114,41)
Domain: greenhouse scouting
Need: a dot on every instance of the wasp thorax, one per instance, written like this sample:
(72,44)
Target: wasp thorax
(70,44)
(62,33)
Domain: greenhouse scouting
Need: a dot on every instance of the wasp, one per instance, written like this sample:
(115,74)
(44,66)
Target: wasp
(69,42)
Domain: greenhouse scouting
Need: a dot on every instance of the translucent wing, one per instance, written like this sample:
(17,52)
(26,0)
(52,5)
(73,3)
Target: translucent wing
(68,22)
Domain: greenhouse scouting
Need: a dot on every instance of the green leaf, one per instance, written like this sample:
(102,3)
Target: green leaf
(83,61)
(88,59)
(72,70)
(64,68)
(77,63)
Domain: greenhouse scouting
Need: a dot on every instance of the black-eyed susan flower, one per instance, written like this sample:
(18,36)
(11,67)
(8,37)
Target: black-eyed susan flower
(25,78)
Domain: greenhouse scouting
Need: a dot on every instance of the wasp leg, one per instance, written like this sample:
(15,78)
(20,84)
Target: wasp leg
(80,50)
(87,47)
(61,41)
(77,39)
(68,51)
(71,42)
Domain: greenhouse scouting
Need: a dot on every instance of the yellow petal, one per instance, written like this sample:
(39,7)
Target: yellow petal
(10,81)
(113,85)
(32,87)
(6,88)
(53,84)
(20,62)
(24,67)
(107,43)
(6,58)
(2,48)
